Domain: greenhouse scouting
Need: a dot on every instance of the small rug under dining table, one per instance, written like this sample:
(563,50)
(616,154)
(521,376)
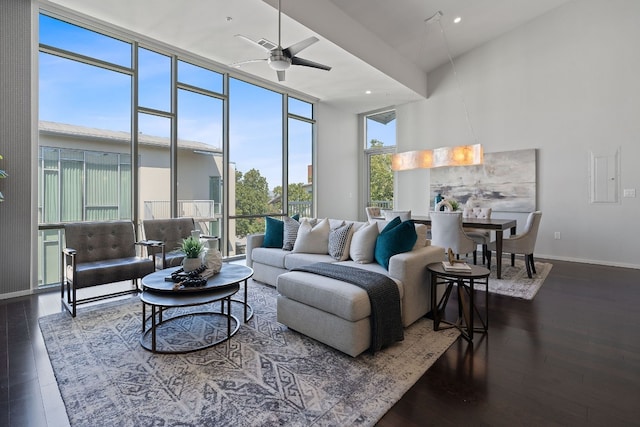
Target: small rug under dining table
(266,374)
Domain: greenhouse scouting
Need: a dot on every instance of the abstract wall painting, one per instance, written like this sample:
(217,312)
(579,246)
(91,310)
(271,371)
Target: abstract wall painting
(505,182)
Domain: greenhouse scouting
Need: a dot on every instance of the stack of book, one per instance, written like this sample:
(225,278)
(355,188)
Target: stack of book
(458,267)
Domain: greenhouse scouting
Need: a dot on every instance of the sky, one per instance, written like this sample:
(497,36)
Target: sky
(85,95)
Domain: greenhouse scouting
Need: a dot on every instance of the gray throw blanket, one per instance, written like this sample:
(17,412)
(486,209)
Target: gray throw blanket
(384,297)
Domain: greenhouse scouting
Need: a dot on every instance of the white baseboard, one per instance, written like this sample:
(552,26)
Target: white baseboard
(589,261)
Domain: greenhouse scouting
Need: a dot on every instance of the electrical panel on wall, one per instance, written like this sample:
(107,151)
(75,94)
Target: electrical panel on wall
(605,177)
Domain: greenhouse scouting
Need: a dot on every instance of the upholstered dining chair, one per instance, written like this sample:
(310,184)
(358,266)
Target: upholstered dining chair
(480,236)
(390,215)
(447,232)
(373,213)
(523,243)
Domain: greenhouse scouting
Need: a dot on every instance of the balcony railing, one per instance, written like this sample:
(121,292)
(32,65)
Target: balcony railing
(302,208)
(382,204)
(197,209)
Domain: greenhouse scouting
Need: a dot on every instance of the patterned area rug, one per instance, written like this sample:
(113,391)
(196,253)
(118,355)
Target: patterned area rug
(515,282)
(264,375)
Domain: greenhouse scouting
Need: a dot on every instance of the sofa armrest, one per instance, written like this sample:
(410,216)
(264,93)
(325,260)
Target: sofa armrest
(411,269)
(253,241)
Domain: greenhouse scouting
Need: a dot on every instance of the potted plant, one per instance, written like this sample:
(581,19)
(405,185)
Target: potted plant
(192,249)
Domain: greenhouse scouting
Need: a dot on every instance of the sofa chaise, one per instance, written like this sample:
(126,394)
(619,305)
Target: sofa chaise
(329,310)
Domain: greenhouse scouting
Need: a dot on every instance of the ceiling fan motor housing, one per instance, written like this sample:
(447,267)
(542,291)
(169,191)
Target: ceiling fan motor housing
(278,60)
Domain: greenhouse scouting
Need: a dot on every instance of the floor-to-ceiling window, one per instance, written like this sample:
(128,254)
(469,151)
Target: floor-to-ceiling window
(300,157)
(132,130)
(256,154)
(85,132)
(200,147)
(380,131)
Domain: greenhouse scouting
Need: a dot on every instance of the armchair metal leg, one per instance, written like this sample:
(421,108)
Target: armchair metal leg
(526,263)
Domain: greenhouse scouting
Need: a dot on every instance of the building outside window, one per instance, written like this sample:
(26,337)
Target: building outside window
(97,144)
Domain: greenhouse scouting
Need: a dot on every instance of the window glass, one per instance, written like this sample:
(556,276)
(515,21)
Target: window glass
(199,77)
(154,80)
(154,150)
(300,108)
(381,130)
(300,170)
(200,160)
(63,35)
(255,153)
(380,140)
(75,93)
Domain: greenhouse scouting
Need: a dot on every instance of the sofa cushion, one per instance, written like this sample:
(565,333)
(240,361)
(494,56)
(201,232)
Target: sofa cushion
(363,243)
(339,239)
(269,256)
(333,296)
(376,268)
(294,260)
(312,239)
(397,237)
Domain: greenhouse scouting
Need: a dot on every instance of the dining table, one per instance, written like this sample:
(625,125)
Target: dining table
(496,224)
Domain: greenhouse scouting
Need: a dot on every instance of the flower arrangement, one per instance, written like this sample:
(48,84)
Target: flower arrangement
(192,248)
(3,174)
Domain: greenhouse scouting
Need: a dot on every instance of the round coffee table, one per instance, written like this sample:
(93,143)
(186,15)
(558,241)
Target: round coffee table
(160,295)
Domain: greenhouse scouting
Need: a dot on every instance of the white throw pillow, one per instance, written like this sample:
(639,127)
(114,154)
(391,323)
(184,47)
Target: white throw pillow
(363,243)
(313,240)
(421,241)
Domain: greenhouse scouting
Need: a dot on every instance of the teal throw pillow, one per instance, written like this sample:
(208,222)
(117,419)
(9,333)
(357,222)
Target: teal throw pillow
(274,231)
(394,240)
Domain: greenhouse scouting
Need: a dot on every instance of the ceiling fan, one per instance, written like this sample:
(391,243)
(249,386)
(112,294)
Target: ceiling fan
(281,59)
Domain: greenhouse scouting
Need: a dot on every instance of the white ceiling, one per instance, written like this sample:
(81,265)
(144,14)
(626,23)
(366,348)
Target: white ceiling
(377,45)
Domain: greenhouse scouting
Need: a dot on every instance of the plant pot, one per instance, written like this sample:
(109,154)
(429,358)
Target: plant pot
(190,264)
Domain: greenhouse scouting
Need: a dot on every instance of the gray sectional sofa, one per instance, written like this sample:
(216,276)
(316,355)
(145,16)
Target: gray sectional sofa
(335,312)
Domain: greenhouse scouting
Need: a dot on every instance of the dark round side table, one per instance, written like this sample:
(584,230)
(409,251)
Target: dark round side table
(467,283)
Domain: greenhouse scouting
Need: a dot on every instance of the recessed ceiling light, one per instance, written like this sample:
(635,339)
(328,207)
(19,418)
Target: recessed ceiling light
(457,20)
(368,92)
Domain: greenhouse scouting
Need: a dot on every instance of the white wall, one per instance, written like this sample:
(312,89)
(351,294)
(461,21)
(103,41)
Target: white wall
(337,155)
(566,84)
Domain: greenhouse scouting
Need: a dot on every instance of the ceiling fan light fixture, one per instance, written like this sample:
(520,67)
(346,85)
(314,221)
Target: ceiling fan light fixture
(279,62)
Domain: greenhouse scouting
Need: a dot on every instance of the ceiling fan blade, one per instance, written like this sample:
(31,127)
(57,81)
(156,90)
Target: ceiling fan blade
(305,62)
(280,76)
(248,61)
(253,42)
(294,49)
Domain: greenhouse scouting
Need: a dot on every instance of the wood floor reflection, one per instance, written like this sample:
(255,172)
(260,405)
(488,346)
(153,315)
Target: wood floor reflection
(570,357)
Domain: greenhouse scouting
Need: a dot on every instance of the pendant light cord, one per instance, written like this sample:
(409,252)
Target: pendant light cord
(437,17)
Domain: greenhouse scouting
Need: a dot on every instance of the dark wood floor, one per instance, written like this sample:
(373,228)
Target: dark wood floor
(570,357)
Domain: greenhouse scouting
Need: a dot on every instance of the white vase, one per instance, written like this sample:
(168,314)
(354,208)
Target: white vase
(190,264)
(212,260)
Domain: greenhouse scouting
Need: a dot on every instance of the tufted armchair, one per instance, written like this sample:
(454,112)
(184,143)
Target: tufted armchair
(168,234)
(98,253)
